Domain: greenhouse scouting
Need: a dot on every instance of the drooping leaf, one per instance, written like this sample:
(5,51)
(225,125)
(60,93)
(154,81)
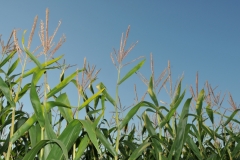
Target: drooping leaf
(68,138)
(32,153)
(101,86)
(65,112)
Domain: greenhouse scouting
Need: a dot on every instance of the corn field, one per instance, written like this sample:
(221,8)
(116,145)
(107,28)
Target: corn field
(56,131)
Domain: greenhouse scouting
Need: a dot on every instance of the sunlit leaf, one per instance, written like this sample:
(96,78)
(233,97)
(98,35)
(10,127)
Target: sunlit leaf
(13,67)
(151,92)
(132,71)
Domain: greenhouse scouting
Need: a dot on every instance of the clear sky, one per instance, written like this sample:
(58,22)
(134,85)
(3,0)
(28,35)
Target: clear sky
(201,36)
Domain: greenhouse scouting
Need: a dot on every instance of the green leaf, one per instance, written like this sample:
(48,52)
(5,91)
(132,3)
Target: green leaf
(6,92)
(68,138)
(181,132)
(82,147)
(231,117)
(137,152)
(151,131)
(90,99)
(134,110)
(36,101)
(199,103)
(65,112)
(151,92)
(37,68)
(32,57)
(210,113)
(101,86)
(105,142)
(62,84)
(172,110)
(130,114)
(88,126)
(236,150)
(13,67)
(23,91)
(34,133)
(132,71)
(148,124)
(32,153)
(193,147)
(29,123)
(176,94)
(7,58)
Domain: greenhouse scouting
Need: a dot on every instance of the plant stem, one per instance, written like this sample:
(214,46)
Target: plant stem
(14,110)
(116,115)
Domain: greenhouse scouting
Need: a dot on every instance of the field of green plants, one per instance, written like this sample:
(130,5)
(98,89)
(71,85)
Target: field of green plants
(56,131)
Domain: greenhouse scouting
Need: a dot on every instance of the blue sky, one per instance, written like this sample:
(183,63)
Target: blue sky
(201,36)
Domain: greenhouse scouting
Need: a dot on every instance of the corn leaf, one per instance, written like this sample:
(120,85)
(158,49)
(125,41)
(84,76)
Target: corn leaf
(105,142)
(210,113)
(32,153)
(6,92)
(65,112)
(13,67)
(35,137)
(132,71)
(88,126)
(68,138)
(35,99)
(7,58)
(137,152)
(37,68)
(90,99)
(32,57)
(101,86)
(172,110)
(62,84)
(199,103)
(82,147)
(231,117)
(181,132)
(151,92)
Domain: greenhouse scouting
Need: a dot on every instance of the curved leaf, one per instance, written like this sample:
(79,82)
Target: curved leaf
(32,153)
(137,152)
(68,138)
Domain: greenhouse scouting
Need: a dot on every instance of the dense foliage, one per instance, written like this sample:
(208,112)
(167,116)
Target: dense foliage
(55,130)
